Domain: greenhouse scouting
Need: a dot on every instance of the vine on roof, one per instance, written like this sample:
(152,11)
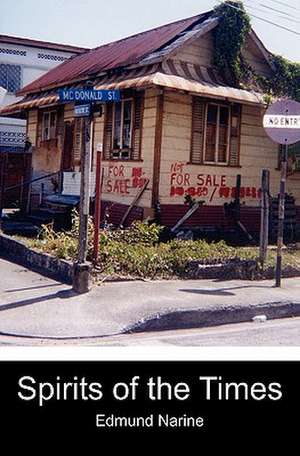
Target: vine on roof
(230,37)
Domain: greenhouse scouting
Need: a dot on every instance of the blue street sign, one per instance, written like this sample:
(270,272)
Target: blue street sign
(82,110)
(88,95)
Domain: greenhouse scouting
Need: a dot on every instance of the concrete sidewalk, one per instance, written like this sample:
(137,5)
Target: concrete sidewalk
(35,306)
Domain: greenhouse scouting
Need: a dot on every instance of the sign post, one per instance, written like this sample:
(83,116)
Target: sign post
(97,214)
(81,273)
(282,125)
(264,224)
(84,99)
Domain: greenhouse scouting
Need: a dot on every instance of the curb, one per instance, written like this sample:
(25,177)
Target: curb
(189,319)
(43,263)
(203,318)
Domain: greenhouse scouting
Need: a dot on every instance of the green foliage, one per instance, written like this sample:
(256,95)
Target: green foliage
(286,80)
(135,251)
(229,39)
(163,260)
(139,233)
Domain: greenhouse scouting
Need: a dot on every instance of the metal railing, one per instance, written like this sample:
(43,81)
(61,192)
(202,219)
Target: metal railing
(22,185)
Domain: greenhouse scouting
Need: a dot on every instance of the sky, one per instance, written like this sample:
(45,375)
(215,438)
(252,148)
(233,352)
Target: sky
(89,23)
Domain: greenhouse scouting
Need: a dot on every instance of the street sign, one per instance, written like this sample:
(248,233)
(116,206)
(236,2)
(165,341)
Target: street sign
(282,122)
(88,95)
(82,110)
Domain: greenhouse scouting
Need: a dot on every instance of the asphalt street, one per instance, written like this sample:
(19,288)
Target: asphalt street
(285,332)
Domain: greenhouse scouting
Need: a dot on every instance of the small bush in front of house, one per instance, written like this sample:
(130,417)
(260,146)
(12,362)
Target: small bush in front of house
(135,251)
(138,233)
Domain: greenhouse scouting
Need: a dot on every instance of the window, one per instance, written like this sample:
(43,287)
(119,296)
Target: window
(49,125)
(217,134)
(122,129)
(293,157)
(10,77)
(295,149)
(216,130)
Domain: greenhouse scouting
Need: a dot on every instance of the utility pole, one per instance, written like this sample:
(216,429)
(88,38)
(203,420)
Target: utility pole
(82,272)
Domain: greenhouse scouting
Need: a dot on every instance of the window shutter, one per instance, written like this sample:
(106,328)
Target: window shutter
(108,127)
(198,122)
(137,127)
(77,141)
(234,149)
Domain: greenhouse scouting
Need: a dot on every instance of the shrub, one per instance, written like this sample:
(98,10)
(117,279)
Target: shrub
(136,251)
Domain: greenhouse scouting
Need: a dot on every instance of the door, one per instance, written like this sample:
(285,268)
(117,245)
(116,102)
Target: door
(67,155)
(15,171)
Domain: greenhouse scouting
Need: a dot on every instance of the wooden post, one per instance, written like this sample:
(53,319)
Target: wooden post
(81,277)
(264,223)
(97,216)
(238,197)
(281,211)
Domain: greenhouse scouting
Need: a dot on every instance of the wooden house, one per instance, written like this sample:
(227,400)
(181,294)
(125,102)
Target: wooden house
(180,124)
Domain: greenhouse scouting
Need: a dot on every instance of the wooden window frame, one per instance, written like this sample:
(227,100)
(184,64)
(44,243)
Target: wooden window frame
(122,149)
(216,162)
(49,136)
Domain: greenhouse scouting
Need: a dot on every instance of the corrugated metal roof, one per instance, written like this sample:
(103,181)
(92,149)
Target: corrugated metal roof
(172,74)
(113,55)
(178,75)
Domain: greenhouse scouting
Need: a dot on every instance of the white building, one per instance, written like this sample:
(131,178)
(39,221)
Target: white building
(21,61)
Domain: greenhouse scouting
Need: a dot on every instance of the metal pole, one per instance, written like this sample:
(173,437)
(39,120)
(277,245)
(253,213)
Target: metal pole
(81,278)
(264,225)
(97,215)
(281,210)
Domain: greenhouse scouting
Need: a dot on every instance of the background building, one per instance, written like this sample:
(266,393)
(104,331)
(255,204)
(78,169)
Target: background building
(22,61)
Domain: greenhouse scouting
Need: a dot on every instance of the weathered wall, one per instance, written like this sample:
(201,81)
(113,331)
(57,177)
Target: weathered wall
(200,52)
(214,184)
(122,179)
(31,126)
(46,156)
(255,58)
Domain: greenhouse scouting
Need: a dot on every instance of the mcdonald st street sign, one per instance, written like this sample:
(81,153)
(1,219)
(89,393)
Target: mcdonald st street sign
(282,122)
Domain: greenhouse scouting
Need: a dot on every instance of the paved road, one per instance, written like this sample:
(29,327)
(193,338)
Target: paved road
(285,332)
(33,306)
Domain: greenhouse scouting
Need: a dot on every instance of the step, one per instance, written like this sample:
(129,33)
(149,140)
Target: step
(20,228)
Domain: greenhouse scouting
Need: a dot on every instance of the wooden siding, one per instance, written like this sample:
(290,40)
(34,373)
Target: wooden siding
(200,52)
(215,184)
(31,126)
(255,59)
(121,177)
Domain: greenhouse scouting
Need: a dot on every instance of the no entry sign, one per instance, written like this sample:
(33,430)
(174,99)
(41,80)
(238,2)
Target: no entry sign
(282,122)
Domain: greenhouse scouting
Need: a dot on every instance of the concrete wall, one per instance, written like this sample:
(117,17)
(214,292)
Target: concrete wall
(34,62)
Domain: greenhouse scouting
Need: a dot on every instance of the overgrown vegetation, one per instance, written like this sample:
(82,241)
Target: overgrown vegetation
(137,252)
(229,39)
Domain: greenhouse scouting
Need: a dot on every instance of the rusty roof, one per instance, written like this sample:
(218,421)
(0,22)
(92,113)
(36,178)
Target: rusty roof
(118,54)
(171,74)
(41,44)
